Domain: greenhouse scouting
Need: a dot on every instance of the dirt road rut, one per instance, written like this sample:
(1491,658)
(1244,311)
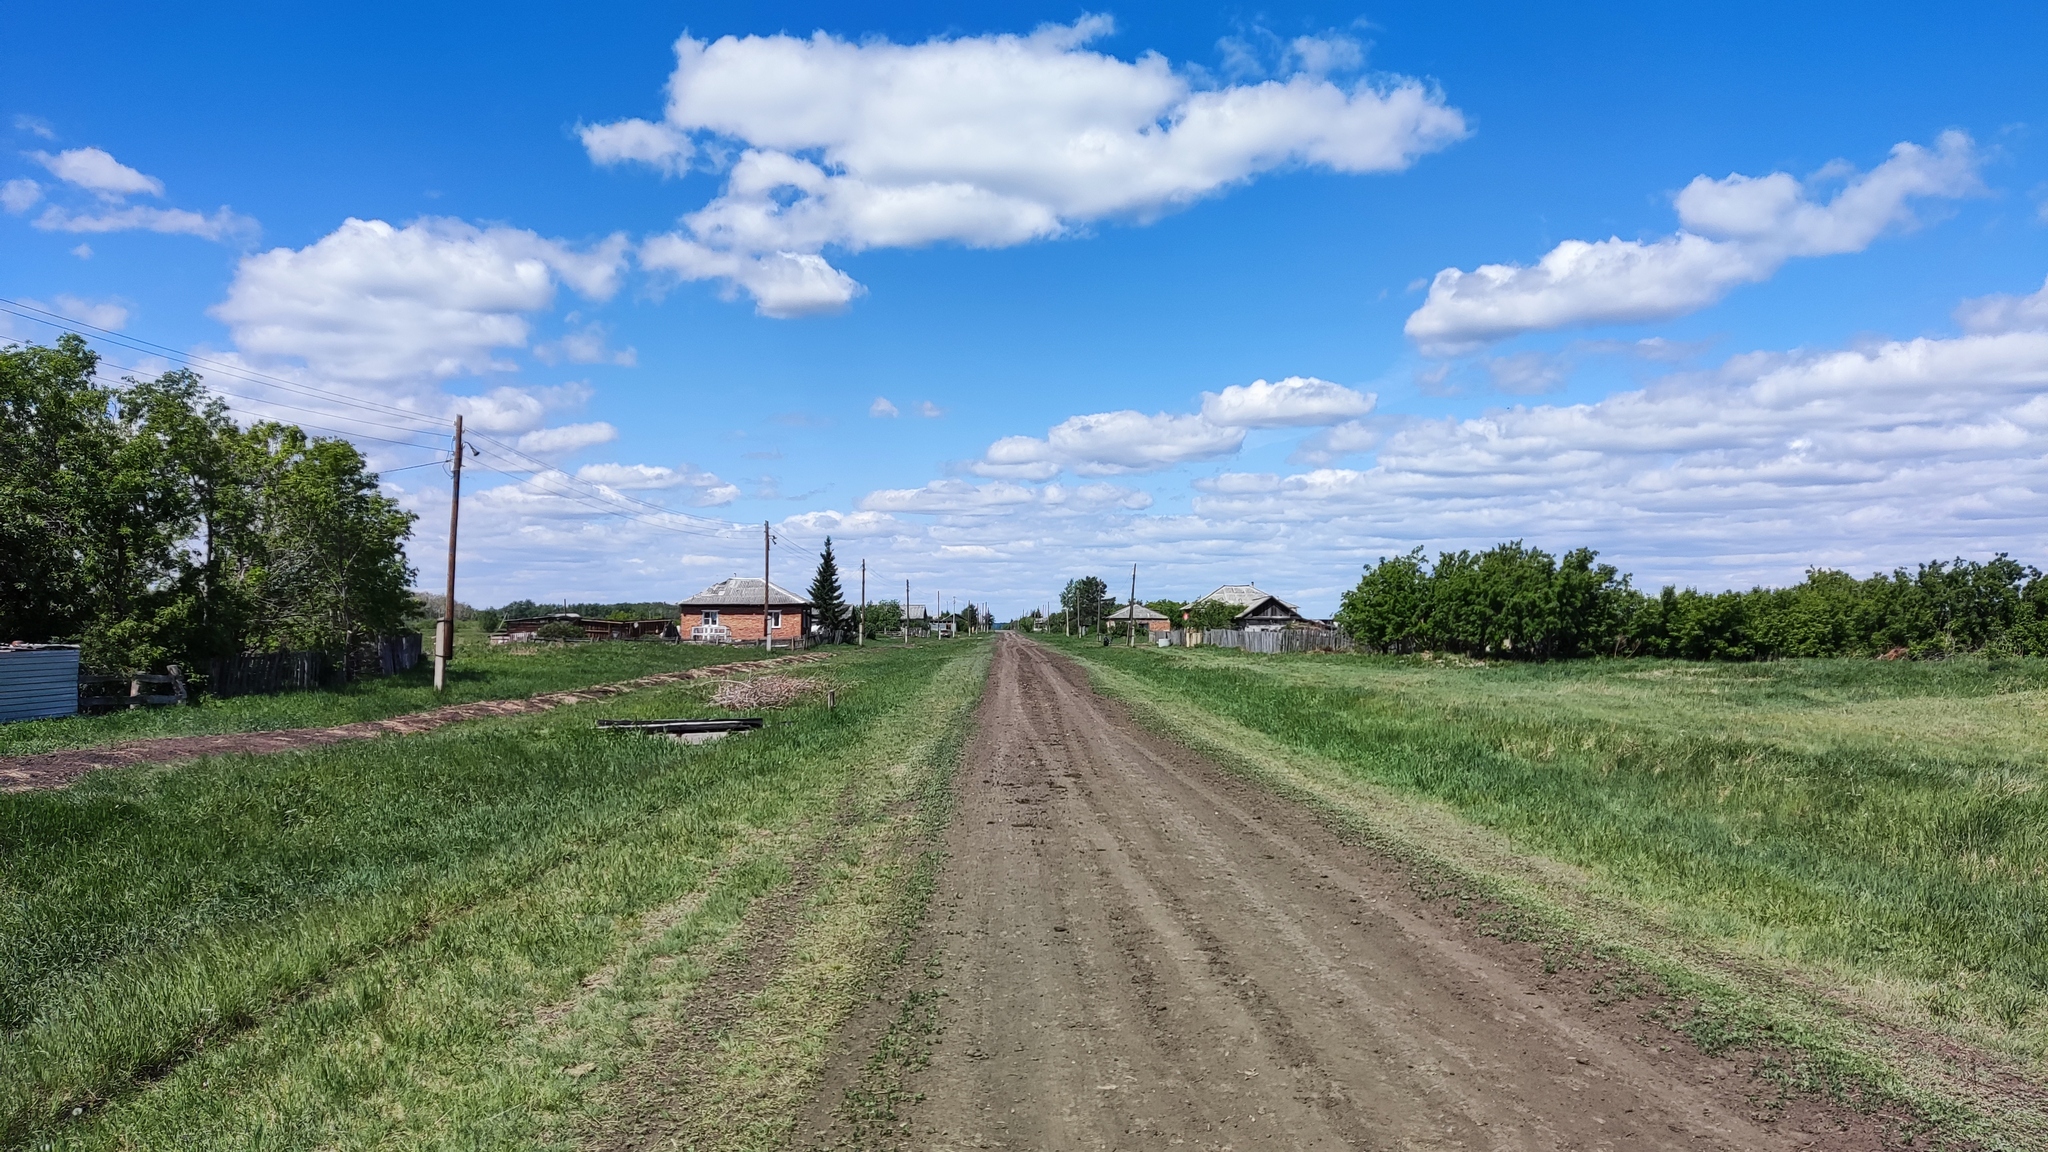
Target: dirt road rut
(1141,951)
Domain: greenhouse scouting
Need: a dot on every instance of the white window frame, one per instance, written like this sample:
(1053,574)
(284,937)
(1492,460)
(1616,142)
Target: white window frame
(774,620)
(711,616)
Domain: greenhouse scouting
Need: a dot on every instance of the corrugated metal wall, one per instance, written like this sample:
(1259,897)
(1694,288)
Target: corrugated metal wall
(38,682)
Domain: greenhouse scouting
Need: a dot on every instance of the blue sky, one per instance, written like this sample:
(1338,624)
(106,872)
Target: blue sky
(1721,293)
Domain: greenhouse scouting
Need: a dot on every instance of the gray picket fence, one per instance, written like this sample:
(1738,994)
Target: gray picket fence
(1285,640)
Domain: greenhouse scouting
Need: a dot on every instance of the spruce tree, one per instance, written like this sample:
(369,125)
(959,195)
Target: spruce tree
(828,602)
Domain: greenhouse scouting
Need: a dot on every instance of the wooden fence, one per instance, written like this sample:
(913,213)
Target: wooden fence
(266,674)
(1282,640)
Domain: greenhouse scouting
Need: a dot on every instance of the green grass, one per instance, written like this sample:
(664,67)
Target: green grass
(1883,825)
(480,672)
(358,945)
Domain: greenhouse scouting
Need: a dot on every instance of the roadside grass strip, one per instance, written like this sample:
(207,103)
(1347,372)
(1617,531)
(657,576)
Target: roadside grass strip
(479,672)
(1842,860)
(445,940)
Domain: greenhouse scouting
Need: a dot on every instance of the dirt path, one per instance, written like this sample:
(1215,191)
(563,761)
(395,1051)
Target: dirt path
(1138,950)
(55,769)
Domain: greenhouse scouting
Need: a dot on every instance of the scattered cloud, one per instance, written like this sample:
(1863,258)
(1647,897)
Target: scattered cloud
(987,141)
(1297,401)
(20,195)
(585,345)
(1996,314)
(638,141)
(82,251)
(566,439)
(225,224)
(963,497)
(1737,230)
(1528,373)
(111,182)
(882,408)
(929,410)
(34,126)
(96,170)
(702,489)
(108,314)
(435,299)
(1126,442)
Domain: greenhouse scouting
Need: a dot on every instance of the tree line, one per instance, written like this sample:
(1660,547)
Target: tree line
(143,524)
(1523,603)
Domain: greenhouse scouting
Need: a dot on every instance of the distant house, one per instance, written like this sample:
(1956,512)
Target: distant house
(1272,614)
(1145,617)
(1239,596)
(735,606)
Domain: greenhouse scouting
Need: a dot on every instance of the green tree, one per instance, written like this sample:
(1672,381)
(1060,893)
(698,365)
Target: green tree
(57,446)
(884,617)
(1389,608)
(828,599)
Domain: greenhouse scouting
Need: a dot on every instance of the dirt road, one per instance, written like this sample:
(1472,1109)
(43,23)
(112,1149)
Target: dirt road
(1139,950)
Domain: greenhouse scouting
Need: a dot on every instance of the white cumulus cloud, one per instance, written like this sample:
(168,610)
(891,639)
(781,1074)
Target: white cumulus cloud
(435,299)
(96,170)
(702,489)
(1734,231)
(882,409)
(20,195)
(981,140)
(1297,401)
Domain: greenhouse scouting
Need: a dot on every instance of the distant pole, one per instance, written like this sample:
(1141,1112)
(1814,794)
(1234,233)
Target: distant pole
(444,635)
(1131,625)
(906,613)
(860,632)
(767,637)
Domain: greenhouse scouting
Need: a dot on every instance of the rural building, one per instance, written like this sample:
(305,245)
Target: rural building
(1273,614)
(735,605)
(1239,596)
(1146,618)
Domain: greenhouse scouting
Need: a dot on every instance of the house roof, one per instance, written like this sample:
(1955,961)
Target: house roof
(744,592)
(1135,612)
(1242,595)
(1266,600)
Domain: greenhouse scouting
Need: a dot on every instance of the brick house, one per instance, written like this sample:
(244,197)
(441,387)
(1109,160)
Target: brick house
(735,605)
(1145,617)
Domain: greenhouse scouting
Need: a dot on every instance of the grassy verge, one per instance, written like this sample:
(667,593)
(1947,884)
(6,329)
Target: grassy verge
(454,939)
(1841,857)
(480,672)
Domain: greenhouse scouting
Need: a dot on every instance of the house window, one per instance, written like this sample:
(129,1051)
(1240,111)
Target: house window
(774,620)
(711,616)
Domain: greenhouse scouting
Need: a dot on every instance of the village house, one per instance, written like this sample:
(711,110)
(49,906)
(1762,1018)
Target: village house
(734,606)
(1146,618)
(1259,610)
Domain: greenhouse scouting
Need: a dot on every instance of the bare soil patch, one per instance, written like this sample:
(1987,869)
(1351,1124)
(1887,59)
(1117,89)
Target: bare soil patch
(55,769)
(1134,948)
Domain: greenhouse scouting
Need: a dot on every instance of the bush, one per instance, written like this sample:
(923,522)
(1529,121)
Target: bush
(559,630)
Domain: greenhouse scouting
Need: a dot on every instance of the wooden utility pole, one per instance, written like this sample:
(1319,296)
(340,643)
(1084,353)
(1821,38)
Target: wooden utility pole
(860,632)
(767,637)
(1131,610)
(444,634)
(906,613)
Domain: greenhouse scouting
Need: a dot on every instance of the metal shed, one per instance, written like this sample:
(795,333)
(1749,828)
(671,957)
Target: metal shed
(38,680)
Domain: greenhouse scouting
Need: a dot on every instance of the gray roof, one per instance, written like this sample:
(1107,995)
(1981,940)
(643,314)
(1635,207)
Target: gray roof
(1135,612)
(1240,595)
(744,592)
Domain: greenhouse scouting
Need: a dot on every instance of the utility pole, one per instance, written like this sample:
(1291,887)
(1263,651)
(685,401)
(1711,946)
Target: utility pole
(767,637)
(860,632)
(444,635)
(1132,610)
(906,613)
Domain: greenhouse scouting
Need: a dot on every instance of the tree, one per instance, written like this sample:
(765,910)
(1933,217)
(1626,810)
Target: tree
(1389,609)
(1086,601)
(884,617)
(828,600)
(1206,614)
